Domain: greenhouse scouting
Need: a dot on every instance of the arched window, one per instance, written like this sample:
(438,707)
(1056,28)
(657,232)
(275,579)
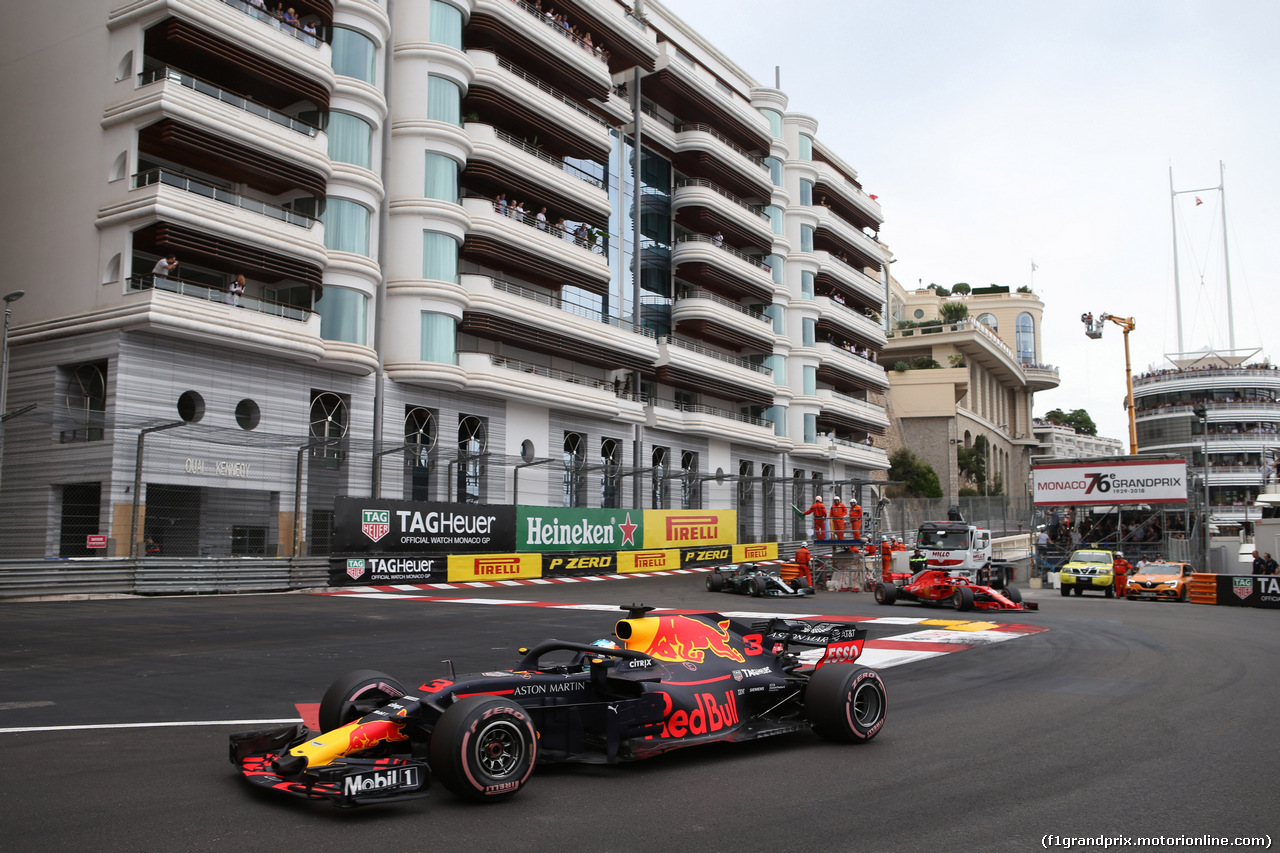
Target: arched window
(575,458)
(1026,338)
(610,468)
(989,320)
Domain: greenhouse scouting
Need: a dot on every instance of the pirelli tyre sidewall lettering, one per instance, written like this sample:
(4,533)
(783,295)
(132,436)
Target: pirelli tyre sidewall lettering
(483,748)
(867,682)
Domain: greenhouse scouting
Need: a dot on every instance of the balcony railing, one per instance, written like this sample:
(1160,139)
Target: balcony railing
(720,300)
(727,359)
(516,71)
(595,50)
(854,401)
(551,373)
(580,234)
(579,310)
(703,238)
(217,294)
(757,209)
(204,87)
(191,185)
(271,20)
(547,158)
(724,140)
(1214,405)
(1205,372)
(712,410)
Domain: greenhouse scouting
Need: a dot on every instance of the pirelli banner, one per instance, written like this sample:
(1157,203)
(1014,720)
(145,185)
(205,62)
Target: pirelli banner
(1111,483)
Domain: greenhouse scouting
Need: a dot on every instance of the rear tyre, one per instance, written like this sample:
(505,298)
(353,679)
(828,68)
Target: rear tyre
(1012,594)
(1065,590)
(483,749)
(886,593)
(715,582)
(1109,592)
(845,702)
(356,694)
(962,598)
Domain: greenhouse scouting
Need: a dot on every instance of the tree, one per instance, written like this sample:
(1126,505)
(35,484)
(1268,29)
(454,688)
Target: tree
(1077,419)
(972,461)
(954,312)
(919,480)
(961,288)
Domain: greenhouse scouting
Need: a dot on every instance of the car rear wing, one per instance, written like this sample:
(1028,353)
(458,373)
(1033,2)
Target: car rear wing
(813,634)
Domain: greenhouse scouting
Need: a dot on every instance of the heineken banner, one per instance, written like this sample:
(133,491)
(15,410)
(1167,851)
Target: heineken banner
(372,526)
(543,529)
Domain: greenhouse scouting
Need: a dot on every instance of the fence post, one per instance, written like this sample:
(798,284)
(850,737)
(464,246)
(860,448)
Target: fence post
(137,486)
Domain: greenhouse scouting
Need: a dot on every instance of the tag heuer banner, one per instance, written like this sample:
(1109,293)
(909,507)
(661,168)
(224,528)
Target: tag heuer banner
(371,526)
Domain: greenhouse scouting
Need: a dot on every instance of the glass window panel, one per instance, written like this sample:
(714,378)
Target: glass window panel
(810,380)
(343,315)
(778,265)
(353,54)
(775,170)
(806,285)
(446,24)
(775,218)
(806,238)
(775,122)
(346,226)
(1026,337)
(806,147)
(810,429)
(350,140)
(444,100)
(439,256)
(439,338)
(806,193)
(809,332)
(441,178)
(778,365)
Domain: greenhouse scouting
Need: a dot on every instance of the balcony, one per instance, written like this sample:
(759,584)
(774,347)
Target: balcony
(175,77)
(843,194)
(710,422)
(514,379)
(1041,377)
(831,228)
(702,260)
(823,450)
(629,40)
(839,275)
(1207,379)
(852,322)
(701,205)
(539,255)
(840,367)
(205,190)
(195,311)
(702,151)
(974,340)
(507,96)
(706,315)
(499,160)
(310,39)
(519,30)
(689,90)
(852,414)
(541,322)
(685,364)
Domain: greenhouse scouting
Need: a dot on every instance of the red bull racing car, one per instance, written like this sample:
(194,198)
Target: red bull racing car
(939,586)
(669,681)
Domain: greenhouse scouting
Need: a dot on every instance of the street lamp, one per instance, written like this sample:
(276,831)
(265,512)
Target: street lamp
(9,299)
(1202,413)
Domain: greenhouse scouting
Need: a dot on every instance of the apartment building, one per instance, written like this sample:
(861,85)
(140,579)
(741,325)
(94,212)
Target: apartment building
(1063,442)
(956,378)
(463,279)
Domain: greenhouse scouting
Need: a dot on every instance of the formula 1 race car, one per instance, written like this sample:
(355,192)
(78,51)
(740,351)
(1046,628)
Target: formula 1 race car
(935,586)
(670,681)
(754,580)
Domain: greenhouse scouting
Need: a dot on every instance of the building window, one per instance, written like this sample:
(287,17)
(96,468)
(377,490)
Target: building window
(473,438)
(989,320)
(689,485)
(439,257)
(575,460)
(810,380)
(439,338)
(775,218)
(806,238)
(441,178)
(610,468)
(419,438)
(343,315)
(658,488)
(446,24)
(806,193)
(810,429)
(806,147)
(1026,338)
(775,122)
(86,403)
(444,100)
(777,364)
(346,226)
(806,285)
(329,422)
(353,54)
(777,415)
(809,332)
(775,170)
(777,266)
(350,140)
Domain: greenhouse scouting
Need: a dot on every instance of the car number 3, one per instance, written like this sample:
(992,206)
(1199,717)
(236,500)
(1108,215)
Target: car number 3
(753,644)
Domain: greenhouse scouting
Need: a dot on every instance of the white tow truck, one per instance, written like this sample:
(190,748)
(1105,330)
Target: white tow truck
(965,549)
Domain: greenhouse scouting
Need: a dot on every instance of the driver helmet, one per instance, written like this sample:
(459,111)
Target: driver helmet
(605,644)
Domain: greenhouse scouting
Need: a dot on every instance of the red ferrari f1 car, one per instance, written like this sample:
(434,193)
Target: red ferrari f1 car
(669,681)
(936,586)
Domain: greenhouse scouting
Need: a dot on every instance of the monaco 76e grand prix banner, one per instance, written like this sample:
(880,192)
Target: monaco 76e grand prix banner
(1111,483)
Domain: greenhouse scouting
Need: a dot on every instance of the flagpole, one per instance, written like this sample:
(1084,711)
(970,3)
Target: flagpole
(1226,260)
(1177,280)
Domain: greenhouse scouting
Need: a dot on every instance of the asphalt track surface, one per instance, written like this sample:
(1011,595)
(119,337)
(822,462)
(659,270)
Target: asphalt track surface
(1123,719)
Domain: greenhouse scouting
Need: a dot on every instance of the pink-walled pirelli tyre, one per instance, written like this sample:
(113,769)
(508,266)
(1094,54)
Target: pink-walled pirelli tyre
(962,598)
(845,702)
(483,748)
(886,593)
(355,694)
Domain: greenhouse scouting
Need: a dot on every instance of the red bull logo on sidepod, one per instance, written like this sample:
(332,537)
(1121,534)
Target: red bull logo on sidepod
(679,638)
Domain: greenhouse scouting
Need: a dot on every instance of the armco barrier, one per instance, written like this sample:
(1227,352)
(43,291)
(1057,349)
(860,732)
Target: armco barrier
(1203,588)
(23,579)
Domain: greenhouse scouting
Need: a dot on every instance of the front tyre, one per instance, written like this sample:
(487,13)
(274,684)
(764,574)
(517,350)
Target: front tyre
(755,587)
(1065,590)
(356,694)
(483,749)
(962,598)
(1012,594)
(845,702)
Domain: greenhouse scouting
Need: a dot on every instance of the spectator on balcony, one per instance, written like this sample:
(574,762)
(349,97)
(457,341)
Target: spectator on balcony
(278,12)
(581,234)
(718,239)
(235,291)
(165,266)
(258,4)
(558,228)
(542,219)
(500,203)
(310,28)
(518,210)
(291,17)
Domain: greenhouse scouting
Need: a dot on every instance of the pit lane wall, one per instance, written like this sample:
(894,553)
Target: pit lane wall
(390,542)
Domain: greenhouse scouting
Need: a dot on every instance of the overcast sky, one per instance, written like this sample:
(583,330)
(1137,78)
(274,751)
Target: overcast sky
(998,133)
